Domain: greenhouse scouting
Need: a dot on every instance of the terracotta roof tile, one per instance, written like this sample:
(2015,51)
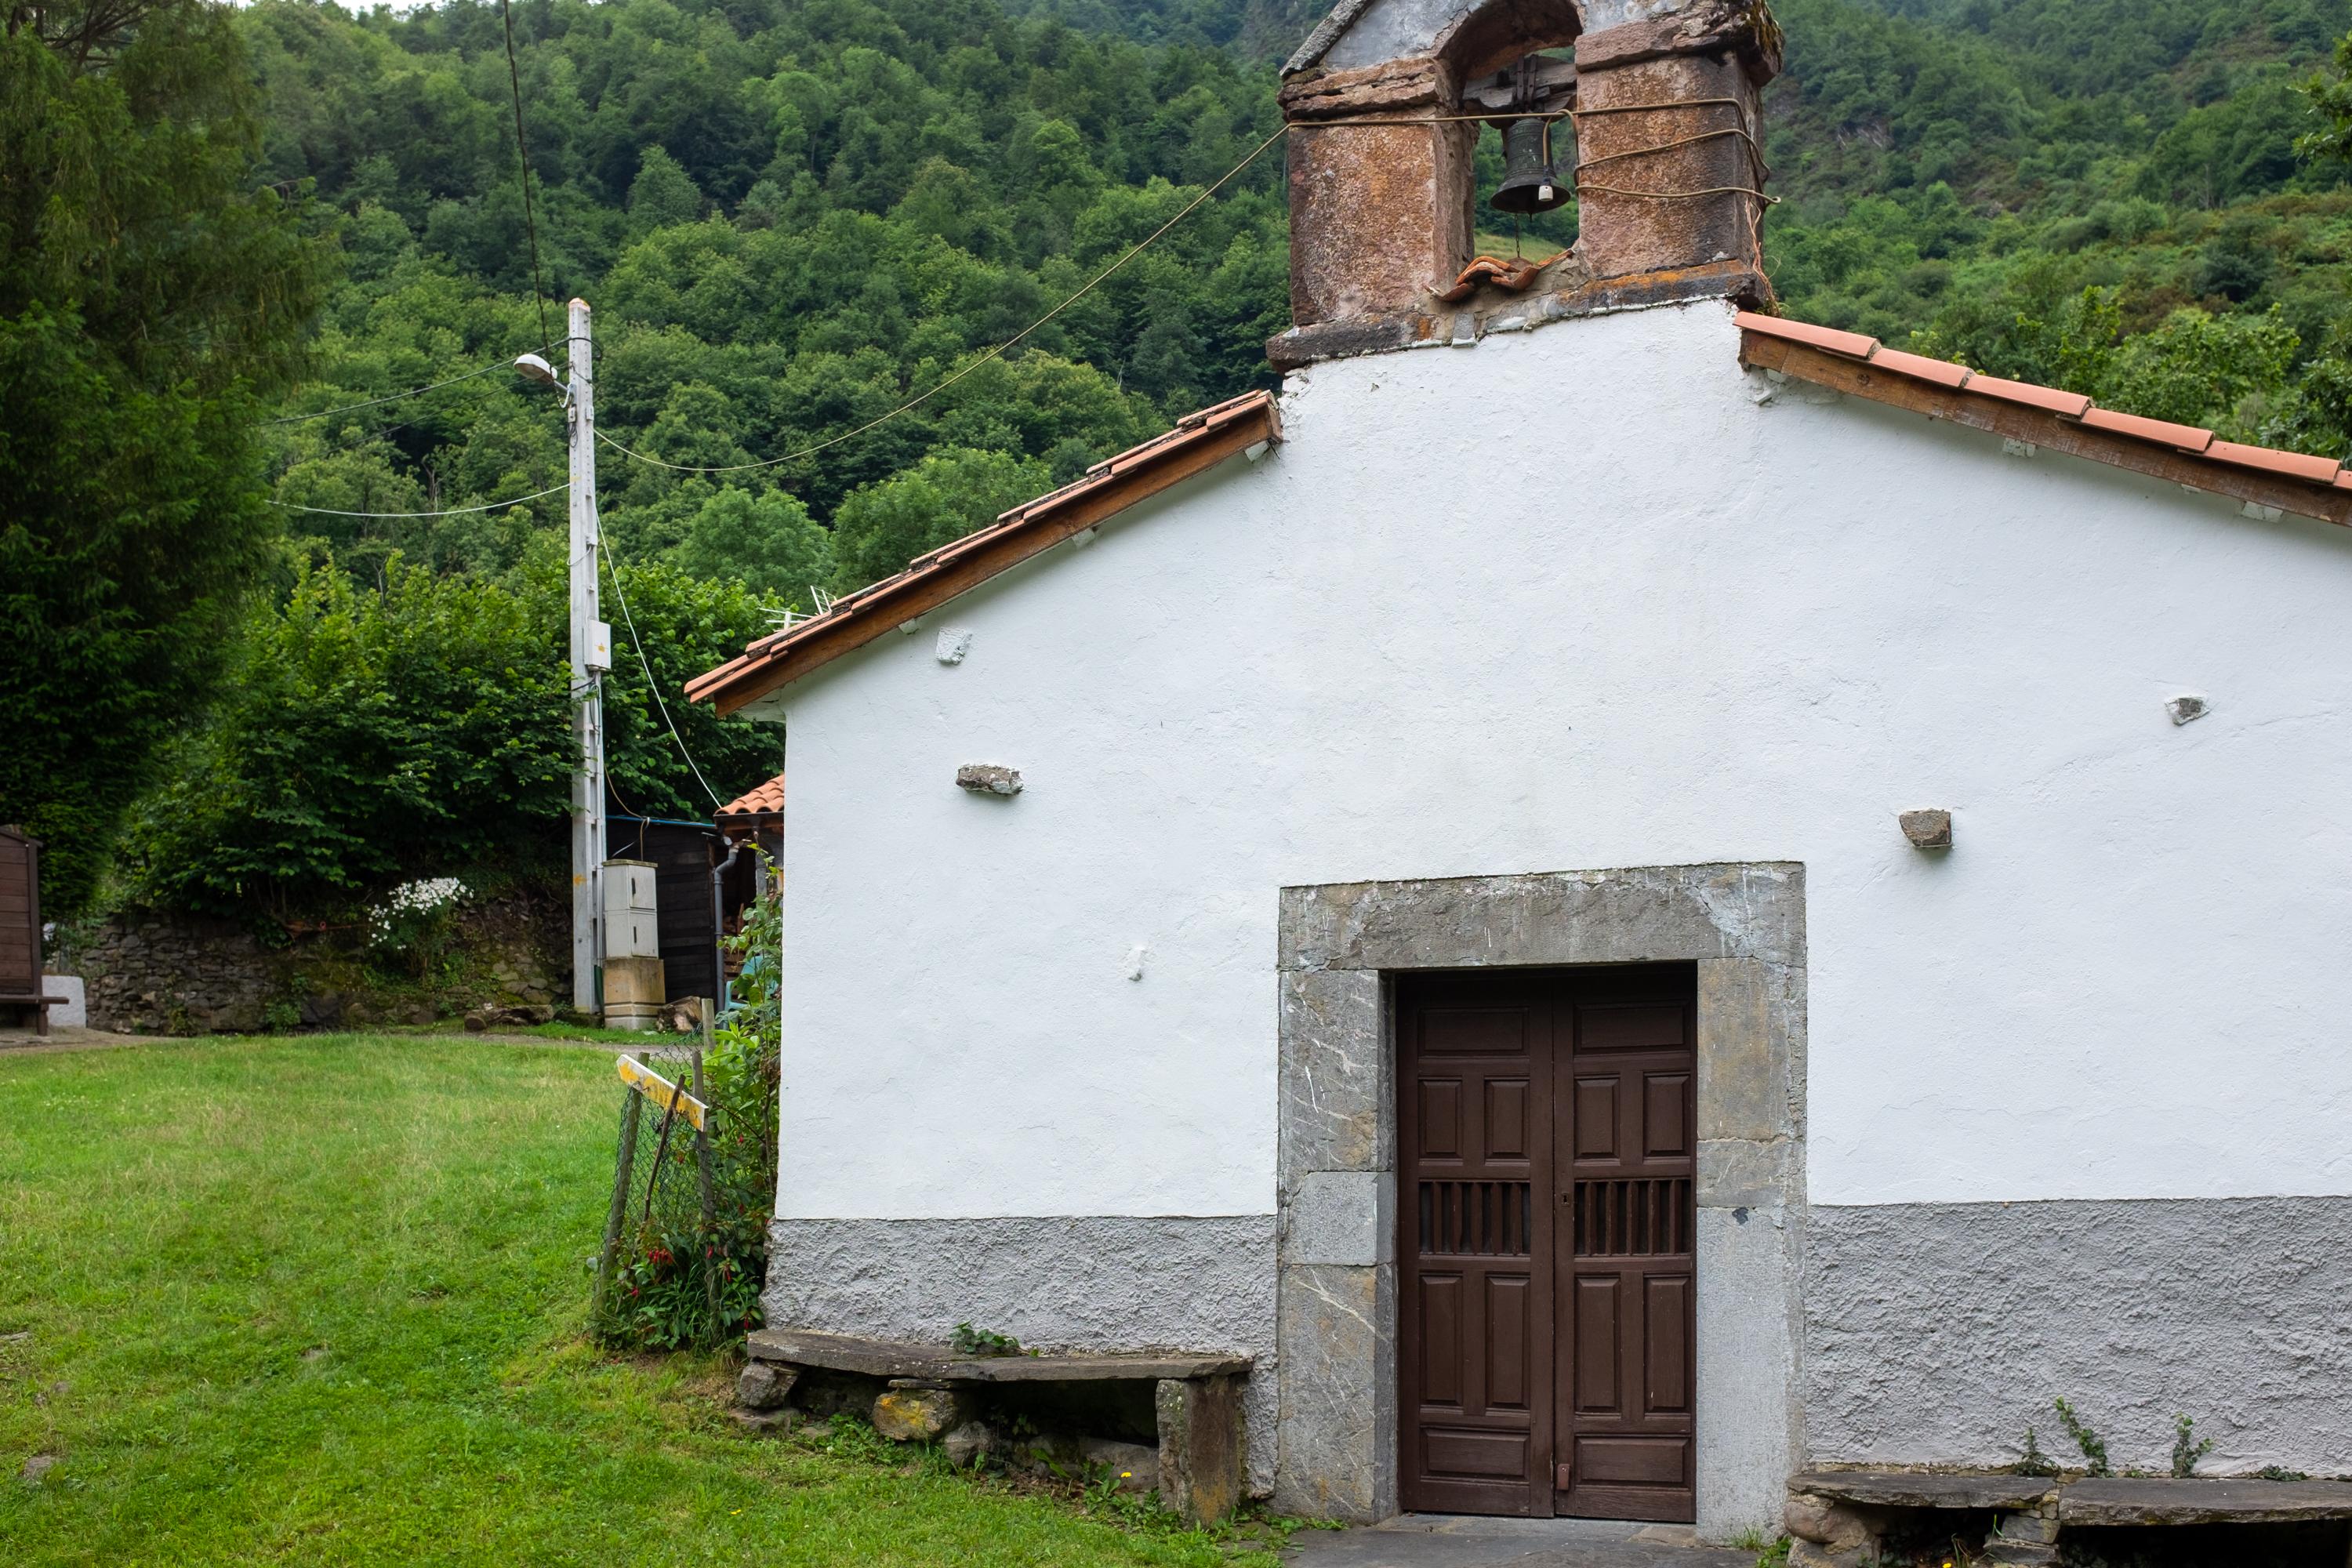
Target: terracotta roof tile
(1853,345)
(2073,405)
(1943,372)
(2294,464)
(2212,459)
(2187,437)
(761,800)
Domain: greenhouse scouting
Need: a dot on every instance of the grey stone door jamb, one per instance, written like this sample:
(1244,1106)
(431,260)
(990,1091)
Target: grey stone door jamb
(1336,1335)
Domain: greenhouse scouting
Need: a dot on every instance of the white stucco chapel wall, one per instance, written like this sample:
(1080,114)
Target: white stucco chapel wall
(1574,599)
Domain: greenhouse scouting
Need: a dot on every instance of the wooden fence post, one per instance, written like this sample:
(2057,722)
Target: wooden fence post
(619,1212)
(702,1161)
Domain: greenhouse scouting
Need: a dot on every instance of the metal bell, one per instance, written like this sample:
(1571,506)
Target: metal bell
(1529,185)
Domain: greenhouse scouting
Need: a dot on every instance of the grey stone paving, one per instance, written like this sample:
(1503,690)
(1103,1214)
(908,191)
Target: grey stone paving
(1437,1541)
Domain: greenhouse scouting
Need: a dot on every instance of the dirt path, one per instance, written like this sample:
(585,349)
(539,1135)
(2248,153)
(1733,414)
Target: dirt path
(25,1043)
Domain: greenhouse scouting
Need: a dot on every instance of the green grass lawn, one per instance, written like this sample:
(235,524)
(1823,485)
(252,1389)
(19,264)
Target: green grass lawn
(320,1301)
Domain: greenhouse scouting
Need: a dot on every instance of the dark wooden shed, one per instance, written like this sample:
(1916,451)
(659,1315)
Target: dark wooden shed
(681,854)
(21,988)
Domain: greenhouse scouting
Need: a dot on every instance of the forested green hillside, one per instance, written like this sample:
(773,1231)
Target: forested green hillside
(1970,168)
(791,216)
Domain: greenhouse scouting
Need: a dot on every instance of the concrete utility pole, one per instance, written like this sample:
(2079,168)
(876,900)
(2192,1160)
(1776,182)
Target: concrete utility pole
(591,644)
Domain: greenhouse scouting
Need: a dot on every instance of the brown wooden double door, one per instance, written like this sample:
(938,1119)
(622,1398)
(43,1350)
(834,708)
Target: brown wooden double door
(1547,1138)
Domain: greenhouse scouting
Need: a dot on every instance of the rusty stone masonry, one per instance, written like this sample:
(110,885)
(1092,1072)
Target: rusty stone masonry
(1625,111)
(1377,212)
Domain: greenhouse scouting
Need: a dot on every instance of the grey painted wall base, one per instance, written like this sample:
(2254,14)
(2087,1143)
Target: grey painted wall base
(1937,1334)
(1085,1282)
(1745,926)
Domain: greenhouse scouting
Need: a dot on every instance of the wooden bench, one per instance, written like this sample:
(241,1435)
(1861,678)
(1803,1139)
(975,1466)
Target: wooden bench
(22,985)
(1838,1519)
(1196,1399)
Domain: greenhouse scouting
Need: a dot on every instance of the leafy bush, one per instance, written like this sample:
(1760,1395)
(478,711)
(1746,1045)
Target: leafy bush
(366,739)
(375,736)
(663,1283)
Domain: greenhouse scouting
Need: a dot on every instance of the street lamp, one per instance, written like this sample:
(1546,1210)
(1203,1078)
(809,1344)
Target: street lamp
(533,368)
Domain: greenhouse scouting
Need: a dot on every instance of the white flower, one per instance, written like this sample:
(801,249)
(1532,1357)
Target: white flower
(426,896)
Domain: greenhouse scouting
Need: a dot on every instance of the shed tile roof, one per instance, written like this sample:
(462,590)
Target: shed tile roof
(2066,421)
(1199,442)
(760,800)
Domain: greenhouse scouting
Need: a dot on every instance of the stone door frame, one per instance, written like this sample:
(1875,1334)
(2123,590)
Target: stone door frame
(1341,945)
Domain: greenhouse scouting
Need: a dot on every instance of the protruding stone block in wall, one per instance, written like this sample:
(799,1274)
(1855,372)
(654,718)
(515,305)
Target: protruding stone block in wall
(1200,1469)
(1928,829)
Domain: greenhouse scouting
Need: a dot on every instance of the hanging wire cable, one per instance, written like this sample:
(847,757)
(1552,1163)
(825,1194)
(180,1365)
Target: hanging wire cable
(651,684)
(446,511)
(914,402)
(392,396)
(522,153)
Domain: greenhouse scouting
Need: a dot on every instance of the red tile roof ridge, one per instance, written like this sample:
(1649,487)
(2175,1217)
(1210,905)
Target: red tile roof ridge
(2077,406)
(2190,438)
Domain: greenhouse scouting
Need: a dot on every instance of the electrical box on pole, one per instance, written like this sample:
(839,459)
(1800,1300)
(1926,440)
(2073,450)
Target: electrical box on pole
(592,642)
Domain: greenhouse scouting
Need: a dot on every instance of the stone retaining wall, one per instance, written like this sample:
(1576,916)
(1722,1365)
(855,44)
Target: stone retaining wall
(156,974)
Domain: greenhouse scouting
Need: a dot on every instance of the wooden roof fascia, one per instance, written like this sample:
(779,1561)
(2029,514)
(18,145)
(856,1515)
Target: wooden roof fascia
(958,568)
(2020,422)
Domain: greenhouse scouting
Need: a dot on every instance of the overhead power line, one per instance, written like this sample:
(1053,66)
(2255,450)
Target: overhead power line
(392,396)
(522,154)
(446,511)
(914,402)
(651,684)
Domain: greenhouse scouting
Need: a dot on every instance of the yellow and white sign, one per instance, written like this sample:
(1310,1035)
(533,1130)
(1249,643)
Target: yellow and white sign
(665,1095)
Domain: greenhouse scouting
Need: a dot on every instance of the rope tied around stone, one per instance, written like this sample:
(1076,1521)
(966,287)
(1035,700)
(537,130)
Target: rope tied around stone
(1759,169)
(1762,171)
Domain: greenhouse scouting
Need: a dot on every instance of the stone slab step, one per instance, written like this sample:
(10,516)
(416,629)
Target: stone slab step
(2197,1500)
(901,1358)
(1924,1488)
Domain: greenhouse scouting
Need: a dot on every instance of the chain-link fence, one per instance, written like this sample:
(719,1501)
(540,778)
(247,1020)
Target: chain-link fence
(685,1250)
(662,1275)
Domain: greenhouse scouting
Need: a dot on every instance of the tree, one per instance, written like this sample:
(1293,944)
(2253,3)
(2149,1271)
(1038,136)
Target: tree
(2330,98)
(949,494)
(150,298)
(663,193)
(368,737)
(767,542)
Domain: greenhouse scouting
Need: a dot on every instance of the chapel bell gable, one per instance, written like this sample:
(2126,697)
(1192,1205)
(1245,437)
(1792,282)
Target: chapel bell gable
(1647,111)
